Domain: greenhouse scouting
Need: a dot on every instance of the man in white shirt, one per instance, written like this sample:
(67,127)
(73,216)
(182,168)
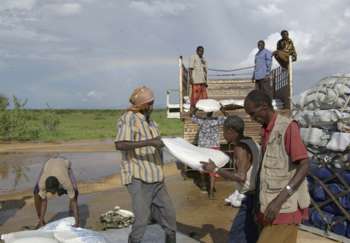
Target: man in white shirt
(198,76)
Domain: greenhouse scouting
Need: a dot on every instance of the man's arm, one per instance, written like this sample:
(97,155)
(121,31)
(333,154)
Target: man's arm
(42,212)
(222,109)
(129,145)
(268,59)
(73,207)
(190,69)
(190,75)
(275,205)
(243,161)
(293,52)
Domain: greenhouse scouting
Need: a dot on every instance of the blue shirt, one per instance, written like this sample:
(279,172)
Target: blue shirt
(263,62)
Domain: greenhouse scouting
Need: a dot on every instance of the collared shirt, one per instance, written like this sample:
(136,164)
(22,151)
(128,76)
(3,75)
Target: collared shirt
(145,163)
(296,150)
(208,135)
(61,169)
(199,72)
(263,62)
(287,46)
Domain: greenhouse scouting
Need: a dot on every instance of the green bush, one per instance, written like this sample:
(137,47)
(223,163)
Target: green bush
(50,120)
(15,124)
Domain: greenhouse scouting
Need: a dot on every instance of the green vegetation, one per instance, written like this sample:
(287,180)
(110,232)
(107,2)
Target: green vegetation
(58,125)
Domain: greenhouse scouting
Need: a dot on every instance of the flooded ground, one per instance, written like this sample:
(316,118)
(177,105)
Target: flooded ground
(20,171)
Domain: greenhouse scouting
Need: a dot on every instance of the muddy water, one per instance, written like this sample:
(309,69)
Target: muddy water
(19,171)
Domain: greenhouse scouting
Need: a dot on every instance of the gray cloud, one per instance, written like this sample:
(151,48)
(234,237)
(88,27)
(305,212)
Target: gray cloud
(91,54)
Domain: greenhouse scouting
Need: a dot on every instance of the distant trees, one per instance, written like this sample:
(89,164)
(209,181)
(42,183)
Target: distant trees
(4,102)
(20,123)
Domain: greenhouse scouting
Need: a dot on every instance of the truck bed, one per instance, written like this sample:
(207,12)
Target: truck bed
(222,89)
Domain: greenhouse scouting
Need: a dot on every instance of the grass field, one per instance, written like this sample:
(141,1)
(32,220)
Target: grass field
(94,124)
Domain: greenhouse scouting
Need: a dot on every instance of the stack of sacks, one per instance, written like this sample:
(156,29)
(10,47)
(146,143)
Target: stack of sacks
(60,231)
(117,218)
(331,218)
(330,93)
(323,113)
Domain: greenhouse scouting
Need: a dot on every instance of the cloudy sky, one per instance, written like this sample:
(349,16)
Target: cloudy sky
(92,53)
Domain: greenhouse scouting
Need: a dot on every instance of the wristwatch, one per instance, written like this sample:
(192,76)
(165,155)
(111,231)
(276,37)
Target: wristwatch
(290,190)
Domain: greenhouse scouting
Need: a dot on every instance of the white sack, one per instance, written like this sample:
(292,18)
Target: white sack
(35,240)
(11,237)
(320,117)
(208,105)
(58,231)
(192,155)
(59,225)
(236,102)
(79,235)
(339,141)
(314,136)
(276,103)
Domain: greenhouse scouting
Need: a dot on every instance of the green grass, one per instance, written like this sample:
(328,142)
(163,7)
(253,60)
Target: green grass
(95,124)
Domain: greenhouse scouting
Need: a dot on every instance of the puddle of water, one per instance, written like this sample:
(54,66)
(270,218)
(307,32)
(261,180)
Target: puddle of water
(20,171)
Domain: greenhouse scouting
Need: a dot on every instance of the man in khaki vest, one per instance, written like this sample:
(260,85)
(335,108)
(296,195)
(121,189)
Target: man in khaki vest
(281,182)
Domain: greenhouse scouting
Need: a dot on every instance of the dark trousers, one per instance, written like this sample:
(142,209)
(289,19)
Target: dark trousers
(265,86)
(151,201)
(244,229)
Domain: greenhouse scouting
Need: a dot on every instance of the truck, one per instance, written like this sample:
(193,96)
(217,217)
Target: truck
(228,85)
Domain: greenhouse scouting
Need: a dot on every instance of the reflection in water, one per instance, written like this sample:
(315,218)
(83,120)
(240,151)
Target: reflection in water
(19,172)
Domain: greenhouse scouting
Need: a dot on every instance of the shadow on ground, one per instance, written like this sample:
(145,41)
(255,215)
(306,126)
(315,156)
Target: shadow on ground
(198,233)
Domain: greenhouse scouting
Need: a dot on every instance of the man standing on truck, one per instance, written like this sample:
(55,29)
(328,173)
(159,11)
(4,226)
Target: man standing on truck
(261,75)
(285,48)
(198,74)
(138,138)
(281,182)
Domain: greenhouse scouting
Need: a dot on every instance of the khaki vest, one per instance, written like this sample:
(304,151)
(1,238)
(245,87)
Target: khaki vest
(277,170)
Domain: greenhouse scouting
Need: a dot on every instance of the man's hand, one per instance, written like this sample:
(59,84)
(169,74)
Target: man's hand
(272,210)
(156,142)
(208,166)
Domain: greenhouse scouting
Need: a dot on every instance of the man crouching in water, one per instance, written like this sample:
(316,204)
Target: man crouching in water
(56,177)
(246,157)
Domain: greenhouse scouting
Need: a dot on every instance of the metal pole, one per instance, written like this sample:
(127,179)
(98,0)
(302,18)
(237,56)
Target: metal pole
(181,98)
(290,79)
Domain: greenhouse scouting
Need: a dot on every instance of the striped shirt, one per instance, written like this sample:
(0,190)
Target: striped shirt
(145,163)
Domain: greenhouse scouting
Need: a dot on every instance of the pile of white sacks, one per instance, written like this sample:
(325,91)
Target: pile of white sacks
(60,231)
(324,115)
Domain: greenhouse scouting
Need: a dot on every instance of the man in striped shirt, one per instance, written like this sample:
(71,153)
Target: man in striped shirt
(138,138)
